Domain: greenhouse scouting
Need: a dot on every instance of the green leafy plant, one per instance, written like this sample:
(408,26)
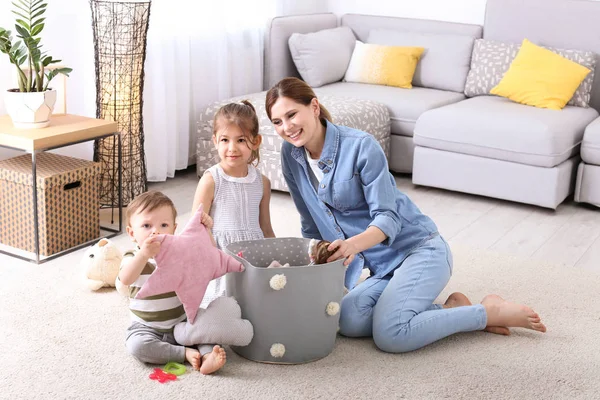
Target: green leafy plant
(27,50)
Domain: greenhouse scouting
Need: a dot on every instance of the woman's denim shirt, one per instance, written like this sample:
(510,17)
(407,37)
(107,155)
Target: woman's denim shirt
(357,191)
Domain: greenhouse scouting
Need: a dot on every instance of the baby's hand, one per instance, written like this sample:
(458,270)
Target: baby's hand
(151,246)
(206,220)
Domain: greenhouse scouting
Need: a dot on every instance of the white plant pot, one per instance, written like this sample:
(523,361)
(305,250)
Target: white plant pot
(30,110)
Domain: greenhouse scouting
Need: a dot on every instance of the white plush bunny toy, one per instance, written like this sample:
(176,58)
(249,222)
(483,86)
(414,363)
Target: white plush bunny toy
(101,264)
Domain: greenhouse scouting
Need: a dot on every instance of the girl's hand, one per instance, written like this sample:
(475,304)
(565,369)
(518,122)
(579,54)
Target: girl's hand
(206,220)
(151,246)
(343,249)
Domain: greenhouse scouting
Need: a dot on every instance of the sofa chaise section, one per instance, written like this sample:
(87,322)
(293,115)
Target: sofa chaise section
(494,147)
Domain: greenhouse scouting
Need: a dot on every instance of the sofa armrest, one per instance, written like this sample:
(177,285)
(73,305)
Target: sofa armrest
(278,59)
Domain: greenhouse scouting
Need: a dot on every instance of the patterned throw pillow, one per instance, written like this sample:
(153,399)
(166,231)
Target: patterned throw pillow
(491,60)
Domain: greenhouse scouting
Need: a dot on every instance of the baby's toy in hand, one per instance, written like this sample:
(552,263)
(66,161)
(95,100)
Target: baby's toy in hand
(186,263)
(221,323)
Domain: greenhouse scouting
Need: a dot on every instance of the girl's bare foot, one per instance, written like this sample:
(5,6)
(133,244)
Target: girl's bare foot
(193,357)
(213,361)
(458,299)
(504,313)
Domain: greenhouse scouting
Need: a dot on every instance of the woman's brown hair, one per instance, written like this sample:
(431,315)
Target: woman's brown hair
(297,90)
(244,116)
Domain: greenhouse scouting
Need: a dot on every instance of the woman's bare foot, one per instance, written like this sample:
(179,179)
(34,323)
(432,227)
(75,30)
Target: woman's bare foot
(193,357)
(504,313)
(213,361)
(458,299)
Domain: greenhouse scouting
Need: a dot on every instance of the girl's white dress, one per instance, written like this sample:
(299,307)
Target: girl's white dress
(235,211)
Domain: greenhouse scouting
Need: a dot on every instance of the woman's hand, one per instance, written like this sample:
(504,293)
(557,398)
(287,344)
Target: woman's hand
(343,249)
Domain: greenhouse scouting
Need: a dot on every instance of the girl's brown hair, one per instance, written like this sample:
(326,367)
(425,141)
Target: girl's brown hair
(297,90)
(244,116)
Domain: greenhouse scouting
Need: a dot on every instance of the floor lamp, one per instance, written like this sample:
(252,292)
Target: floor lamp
(120,30)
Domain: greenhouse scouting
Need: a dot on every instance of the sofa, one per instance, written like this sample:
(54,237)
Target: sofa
(494,147)
(446,130)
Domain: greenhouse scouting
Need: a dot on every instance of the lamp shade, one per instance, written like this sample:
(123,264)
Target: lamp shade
(120,31)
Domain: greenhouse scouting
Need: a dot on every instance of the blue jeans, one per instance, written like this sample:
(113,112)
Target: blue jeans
(398,310)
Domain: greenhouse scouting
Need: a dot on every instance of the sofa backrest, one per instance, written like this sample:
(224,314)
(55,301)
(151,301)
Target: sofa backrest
(363,24)
(567,24)
(278,59)
(448,45)
(277,56)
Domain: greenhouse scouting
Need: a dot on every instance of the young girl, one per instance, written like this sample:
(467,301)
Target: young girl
(234,192)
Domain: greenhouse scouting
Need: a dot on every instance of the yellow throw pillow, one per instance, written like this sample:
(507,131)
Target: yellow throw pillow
(541,78)
(383,65)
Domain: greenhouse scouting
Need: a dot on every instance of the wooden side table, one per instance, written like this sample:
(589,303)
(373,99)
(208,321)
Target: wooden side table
(64,130)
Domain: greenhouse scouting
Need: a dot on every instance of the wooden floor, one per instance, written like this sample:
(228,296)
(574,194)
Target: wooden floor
(569,236)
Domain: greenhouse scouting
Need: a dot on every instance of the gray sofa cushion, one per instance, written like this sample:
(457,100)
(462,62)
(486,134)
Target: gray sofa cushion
(590,147)
(405,105)
(491,59)
(445,62)
(495,127)
(278,59)
(322,57)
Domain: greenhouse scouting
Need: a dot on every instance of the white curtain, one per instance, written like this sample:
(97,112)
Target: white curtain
(197,52)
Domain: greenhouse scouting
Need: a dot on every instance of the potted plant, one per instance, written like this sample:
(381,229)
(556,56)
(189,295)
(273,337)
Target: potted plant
(31,104)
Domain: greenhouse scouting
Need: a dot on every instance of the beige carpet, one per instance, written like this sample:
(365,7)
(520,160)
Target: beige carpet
(60,341)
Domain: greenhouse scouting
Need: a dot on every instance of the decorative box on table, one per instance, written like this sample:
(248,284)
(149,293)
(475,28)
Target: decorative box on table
(67,200)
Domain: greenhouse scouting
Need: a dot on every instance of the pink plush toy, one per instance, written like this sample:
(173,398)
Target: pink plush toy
(186,263)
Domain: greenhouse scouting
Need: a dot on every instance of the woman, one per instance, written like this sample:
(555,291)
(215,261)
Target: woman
(339,180)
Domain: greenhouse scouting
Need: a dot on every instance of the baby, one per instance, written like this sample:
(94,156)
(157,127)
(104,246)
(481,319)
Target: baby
(150,337)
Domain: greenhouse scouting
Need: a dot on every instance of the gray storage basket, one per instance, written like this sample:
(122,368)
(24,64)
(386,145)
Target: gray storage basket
(295,316)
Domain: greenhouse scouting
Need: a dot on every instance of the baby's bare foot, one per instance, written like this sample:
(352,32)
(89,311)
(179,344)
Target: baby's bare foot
(458,299)
(213,361)
(504,313)
(193,357)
